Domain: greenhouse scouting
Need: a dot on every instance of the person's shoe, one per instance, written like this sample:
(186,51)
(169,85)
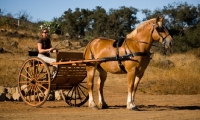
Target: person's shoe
(53,75)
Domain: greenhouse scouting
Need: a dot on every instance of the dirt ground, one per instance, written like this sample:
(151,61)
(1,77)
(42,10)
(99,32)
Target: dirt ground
(155,107)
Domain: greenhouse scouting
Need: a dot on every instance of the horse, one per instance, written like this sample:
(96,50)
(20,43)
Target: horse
(131,57)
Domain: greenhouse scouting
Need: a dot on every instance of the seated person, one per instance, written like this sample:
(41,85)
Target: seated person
(44,48)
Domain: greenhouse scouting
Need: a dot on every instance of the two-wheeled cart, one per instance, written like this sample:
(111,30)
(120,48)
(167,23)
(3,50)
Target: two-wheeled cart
(35,80)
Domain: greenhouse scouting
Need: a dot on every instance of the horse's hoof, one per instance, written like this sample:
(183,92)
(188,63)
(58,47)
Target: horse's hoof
(105,106)
(134,109)
(94,108)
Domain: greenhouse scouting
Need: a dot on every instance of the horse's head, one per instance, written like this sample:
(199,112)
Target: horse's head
(152,30)
(161,34)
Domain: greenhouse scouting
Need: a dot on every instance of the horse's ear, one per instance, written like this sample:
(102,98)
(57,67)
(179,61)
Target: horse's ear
(162,19)
(157,19)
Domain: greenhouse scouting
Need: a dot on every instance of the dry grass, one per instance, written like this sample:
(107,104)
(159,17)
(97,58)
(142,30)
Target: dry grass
(182,78)
(179,75)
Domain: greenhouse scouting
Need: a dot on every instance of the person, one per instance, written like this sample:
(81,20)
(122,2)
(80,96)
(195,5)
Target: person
(45,48)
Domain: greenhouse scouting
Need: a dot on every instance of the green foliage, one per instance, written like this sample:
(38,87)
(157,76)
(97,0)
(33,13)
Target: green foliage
(97,22)
(52,26)
(7,21)
(121,21)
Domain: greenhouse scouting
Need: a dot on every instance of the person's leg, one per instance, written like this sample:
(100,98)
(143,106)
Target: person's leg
(46,59)
(49,60)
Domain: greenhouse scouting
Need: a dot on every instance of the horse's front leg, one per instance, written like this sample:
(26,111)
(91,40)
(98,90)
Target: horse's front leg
(100,85)
(131,79)
(136,82)
(90,83)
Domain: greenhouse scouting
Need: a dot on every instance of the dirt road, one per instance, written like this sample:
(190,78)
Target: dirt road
(153,107)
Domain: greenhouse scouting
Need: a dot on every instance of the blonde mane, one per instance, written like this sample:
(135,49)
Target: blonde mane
(140,27)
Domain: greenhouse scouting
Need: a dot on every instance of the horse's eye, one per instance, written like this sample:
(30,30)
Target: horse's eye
(160,29)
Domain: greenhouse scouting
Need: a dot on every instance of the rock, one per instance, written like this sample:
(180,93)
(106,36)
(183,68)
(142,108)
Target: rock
(9,97)
(58,95)
(51,96)
(2,96)
(2,89)
(16,95)
(2,93)
(10,90)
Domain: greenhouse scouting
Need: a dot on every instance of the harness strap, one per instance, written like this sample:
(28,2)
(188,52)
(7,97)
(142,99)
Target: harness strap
(122,58)
(117,58)
(128,56)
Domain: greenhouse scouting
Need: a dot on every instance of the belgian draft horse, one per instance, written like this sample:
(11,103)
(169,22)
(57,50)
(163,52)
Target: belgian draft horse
(131,57)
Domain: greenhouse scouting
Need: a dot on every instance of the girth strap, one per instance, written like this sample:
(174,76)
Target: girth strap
(120,64)
(117,58)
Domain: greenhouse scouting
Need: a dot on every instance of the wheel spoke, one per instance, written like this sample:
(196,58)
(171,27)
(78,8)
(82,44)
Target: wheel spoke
(25,76)
(71,97)
(79,95)
(42,86)
(41,71)
(43,76)
(82,93)
(27,71)
(82,90)
(43,93)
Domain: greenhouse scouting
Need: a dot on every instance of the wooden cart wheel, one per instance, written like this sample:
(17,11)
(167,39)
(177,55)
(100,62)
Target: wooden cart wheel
(77,95)
(34,81)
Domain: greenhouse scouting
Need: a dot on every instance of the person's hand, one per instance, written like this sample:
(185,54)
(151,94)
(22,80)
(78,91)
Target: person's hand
(55,50)
(51,49)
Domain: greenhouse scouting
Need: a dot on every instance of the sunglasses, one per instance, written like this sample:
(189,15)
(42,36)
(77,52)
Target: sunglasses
(45,32)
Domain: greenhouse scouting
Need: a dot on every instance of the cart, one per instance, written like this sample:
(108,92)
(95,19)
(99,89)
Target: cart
(35,80)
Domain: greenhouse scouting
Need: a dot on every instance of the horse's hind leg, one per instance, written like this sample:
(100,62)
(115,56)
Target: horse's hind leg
(90,82)
(100,85)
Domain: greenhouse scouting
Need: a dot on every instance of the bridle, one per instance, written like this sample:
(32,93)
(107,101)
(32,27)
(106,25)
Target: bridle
(158,31)
(163,38)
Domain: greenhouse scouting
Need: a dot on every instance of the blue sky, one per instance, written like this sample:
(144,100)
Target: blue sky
(48,9)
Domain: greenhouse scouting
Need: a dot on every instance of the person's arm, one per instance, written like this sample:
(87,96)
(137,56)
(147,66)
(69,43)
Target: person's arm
(53,49)
(40,50)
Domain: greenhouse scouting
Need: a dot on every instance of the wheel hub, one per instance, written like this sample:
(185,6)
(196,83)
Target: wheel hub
(33,81)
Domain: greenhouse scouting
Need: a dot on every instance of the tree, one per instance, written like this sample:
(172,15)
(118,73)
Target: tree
(77,22)
(97,22)
(121,21)
(23,15)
